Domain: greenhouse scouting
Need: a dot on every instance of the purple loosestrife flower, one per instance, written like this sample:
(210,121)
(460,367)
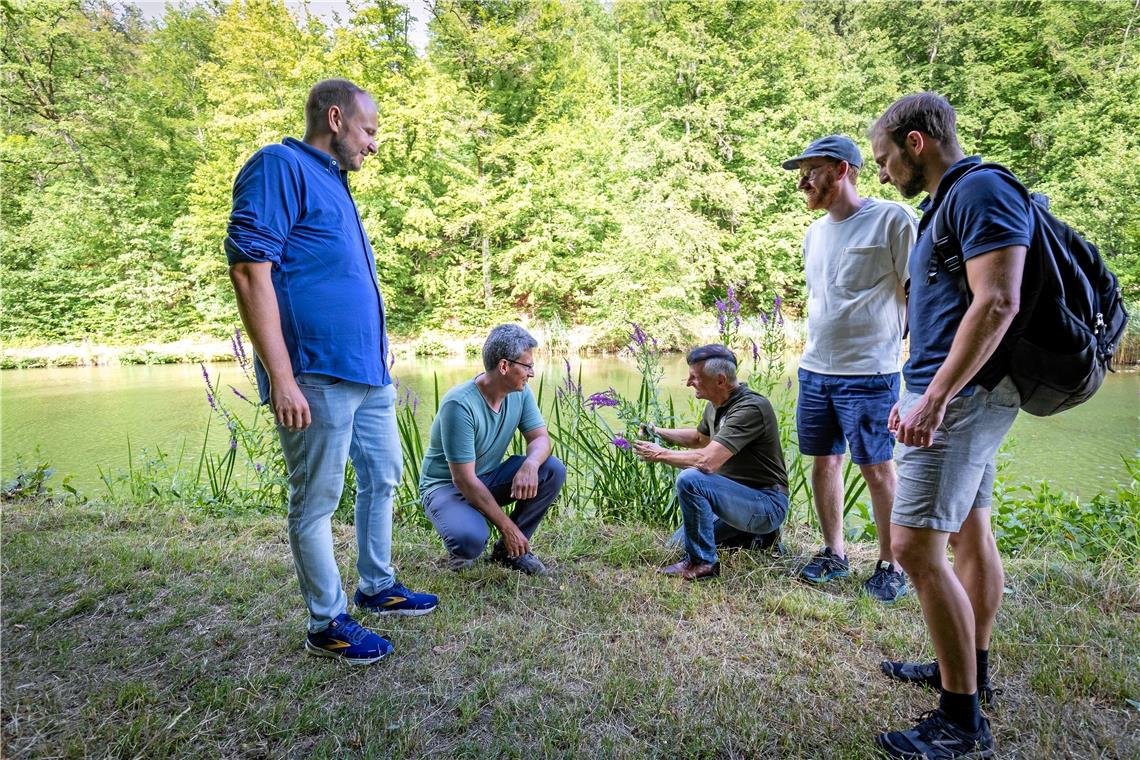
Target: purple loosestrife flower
(209,387)
(638,335)
(607,397)
(755,351)
(233,443)
(240,395)
(391,359)
(258,467)
(622,443)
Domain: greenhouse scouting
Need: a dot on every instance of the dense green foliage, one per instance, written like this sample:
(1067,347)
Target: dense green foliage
(573,161)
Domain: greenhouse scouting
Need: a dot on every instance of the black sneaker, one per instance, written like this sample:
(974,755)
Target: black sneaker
(927,674)
(938,738)
(769,542)
(527,563)
(887,583)
(825,566)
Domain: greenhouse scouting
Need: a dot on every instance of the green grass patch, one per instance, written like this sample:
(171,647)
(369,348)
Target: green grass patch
(148,633)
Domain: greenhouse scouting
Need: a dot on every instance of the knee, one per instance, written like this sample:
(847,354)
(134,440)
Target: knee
(688,480)
(553,471)
(909,552)
(878,475)
(468,544)
(827,466)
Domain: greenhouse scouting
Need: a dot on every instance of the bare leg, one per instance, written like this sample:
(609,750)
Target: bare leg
(945,605)
(979,569)
(827,490)
(881,483)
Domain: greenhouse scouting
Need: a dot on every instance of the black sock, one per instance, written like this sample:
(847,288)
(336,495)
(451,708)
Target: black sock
(962,709)
(983,666)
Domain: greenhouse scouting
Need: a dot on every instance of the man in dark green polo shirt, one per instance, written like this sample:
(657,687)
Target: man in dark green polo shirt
(733,469)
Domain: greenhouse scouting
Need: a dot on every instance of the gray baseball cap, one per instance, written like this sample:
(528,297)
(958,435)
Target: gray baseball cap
(839,147)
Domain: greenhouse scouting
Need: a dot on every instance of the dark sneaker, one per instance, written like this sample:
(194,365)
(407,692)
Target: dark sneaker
(825,566)
(927,674)
(887,583)
(937,738)
(396,600)
(458,564)
(769,542)
(527,563)
(347,639)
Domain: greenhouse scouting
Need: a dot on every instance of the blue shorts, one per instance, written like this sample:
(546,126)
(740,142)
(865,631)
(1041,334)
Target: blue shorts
(834,410)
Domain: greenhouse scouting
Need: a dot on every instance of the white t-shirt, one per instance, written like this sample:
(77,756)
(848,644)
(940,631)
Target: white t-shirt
(855,271)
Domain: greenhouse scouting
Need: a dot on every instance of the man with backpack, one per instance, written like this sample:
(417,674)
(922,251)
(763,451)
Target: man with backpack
(958,405)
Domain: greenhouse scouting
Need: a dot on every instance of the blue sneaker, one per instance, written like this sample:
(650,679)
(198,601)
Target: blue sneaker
(824,567)
(347,639)
(396,600)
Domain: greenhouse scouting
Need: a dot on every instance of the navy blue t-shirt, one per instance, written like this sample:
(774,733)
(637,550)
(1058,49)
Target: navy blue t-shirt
(987,211)
(292,208)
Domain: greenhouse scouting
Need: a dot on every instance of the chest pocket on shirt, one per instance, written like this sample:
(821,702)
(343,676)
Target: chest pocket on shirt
(863,266)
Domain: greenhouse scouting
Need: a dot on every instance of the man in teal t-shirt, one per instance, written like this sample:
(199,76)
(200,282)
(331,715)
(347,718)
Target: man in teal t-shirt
(465,482)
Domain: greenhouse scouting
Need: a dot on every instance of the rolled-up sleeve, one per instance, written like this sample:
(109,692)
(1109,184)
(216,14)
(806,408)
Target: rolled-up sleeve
(266,204)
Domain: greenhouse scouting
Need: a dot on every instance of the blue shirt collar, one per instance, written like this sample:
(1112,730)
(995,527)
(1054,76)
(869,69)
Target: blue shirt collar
(324,159)
(948,179)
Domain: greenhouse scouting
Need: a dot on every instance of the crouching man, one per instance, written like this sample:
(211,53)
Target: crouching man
(465,482)
(733,471)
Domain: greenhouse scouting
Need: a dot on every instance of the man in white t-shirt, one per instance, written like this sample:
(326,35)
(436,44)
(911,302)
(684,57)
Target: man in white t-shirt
(855,262)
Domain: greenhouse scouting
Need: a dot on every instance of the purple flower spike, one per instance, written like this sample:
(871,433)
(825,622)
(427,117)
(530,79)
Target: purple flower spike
(240,395)
(607,397)
(638,335)
(755,352)
(233,444)
(622,443)
(720,306)
(258,467)
(778,302)
(391,359)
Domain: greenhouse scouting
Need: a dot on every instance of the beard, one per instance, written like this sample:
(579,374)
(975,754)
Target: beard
(820,195)
(343,154)
(916,180)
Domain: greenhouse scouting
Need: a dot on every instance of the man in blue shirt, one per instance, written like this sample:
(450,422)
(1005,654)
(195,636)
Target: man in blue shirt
(306,286)
(465,481)
(958,405)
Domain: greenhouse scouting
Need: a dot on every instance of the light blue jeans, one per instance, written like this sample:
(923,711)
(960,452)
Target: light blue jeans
(349,420)
(707,500)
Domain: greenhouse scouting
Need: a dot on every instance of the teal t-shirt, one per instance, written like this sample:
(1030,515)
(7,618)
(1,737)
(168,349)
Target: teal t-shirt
(467,430)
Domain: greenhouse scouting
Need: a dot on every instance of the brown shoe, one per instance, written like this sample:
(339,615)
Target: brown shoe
(691,571)
(700,571)
(677,568)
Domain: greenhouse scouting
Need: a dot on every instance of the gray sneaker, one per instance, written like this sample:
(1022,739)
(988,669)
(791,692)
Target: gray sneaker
(887,583)
(458,564)
(527,563)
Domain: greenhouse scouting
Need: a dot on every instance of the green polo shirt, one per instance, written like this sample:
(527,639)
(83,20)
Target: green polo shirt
(745,424)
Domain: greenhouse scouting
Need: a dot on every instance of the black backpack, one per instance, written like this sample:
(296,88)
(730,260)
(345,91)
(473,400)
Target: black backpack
(1072,315)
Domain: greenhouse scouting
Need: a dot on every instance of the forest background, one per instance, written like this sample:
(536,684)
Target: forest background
(564,162)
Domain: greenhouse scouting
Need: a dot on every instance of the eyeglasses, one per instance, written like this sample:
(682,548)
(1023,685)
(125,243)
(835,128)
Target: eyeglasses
(530,367)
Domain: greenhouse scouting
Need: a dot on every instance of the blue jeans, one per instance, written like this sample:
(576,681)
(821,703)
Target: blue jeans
(349,420)
(706,498)
(464,529)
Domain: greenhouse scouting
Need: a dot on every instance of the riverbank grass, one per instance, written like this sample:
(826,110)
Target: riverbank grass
(147,633)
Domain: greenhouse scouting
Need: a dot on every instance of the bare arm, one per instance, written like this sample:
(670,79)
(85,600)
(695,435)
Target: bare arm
(257,304)
(477,495)
(707,459)
(524,485)
(995,280)
(689,438)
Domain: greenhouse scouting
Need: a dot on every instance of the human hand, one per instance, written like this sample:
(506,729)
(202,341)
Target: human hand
(289,405)
(647,450)
(515,542)
(893,420)
(920,423)
(524,485)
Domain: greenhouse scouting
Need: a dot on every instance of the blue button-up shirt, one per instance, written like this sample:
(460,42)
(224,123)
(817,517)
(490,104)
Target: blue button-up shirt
(292,208)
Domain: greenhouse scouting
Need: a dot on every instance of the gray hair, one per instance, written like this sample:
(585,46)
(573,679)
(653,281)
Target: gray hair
(716,366)
(506,342)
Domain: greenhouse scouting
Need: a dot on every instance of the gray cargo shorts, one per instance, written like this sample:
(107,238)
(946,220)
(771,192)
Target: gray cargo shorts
(940,484)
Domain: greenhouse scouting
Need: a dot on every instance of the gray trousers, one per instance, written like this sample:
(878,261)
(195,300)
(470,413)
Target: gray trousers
(465,530)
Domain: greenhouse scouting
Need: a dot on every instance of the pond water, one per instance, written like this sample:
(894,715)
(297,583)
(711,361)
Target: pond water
(81,419)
